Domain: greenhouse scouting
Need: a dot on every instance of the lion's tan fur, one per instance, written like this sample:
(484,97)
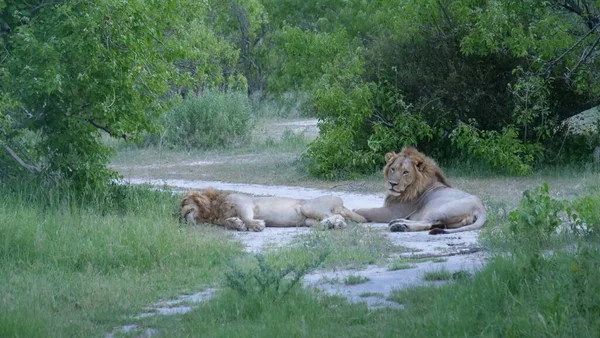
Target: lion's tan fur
(420,198)
(244,212)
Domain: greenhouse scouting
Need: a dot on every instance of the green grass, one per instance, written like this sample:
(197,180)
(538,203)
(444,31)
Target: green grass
(70,269)
(420,260)
(352,247)
(400,265)
(371,294)
(438,275)
(512,296)
(356,279)
(516,296)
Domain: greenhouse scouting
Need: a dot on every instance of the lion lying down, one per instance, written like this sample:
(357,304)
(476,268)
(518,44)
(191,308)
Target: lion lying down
(242,212)
(420,198)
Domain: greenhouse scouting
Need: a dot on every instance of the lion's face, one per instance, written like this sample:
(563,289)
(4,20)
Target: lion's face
(400,172)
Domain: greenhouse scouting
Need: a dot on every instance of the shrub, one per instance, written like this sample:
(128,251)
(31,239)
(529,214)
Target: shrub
(537,217)
(212,120)
(584,215)
(499,150)
(268,278)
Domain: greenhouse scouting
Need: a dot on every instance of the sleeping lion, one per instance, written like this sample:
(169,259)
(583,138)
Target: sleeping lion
(243,212)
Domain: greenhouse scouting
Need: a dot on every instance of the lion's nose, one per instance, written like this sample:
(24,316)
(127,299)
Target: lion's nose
(393,184)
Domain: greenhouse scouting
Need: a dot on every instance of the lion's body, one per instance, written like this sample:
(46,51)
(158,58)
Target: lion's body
(420,198)
(244,212)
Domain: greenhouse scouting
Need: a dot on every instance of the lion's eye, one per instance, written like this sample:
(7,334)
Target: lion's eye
(405,172)
(392,170)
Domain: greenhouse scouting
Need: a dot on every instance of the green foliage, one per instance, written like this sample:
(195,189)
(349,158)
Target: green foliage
(513,295)
(212,120)
(540,216)
(372,70)
(537,218)
(74,68)
(584,215)
(499,150)
(502,64)
(269,279)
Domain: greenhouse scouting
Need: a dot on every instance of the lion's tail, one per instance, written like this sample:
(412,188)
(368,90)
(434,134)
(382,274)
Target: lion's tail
(351,215)
(480,219)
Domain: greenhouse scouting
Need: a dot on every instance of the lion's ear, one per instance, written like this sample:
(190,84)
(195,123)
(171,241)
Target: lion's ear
(420,164)
(389,157)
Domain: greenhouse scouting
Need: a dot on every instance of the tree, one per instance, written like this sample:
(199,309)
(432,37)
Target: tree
(457,78)
(72,70)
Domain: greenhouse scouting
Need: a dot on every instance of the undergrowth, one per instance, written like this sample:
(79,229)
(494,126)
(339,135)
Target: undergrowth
(75,267)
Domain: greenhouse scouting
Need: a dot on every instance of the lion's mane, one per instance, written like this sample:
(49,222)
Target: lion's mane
(429,175)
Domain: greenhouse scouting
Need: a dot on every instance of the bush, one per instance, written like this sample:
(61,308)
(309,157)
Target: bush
(499,150)
(584,215)
(537,217)
(268,278)
(214,119)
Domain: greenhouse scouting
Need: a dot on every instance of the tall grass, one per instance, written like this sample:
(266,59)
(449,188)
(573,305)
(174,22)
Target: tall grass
(518,296)
(71,268)
(287,105)
(214,119)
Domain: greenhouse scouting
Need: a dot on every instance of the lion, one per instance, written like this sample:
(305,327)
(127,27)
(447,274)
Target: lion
(420,198)
(243,212)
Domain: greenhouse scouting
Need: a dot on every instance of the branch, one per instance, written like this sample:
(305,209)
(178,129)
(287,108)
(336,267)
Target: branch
(31,168)
(590,20)
(93,123)
(382,120)
(585,55)
(450,21)
(42,5)
(553,63)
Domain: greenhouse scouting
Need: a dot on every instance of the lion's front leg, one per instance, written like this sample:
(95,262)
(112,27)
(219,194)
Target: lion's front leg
(406,225)
(257,225)
(235,223)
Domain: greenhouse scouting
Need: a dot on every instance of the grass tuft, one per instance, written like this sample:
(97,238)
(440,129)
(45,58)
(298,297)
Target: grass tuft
(439,275)
(356,279)
(400,265)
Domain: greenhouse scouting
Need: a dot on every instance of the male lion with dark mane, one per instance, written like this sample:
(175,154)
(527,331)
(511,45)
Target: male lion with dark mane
(243,212)
(420,198)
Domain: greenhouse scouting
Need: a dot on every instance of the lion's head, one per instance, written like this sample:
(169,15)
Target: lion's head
(409,173)
(205,205)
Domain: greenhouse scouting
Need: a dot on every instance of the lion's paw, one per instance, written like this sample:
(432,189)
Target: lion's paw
(256,225)
(334,222)
(397,225)
(235,223)
(437,231)
(327,224)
